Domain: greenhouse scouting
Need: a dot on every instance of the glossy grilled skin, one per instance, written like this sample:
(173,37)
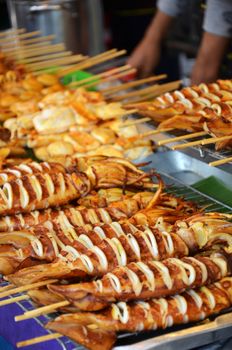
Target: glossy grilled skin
(95,252)
(98,330)
(125,207)
(199,97)
(18,171)
(79,216)
(40,191)
(76,216)
(67,224)
(194,108)
(141,281)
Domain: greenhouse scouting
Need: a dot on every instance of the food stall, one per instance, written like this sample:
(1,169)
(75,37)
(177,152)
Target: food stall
(115,230)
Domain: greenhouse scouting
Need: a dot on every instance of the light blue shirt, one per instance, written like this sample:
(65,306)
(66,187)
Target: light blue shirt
(218,15)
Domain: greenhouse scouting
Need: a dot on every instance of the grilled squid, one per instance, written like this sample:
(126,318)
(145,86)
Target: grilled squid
(97,331)
(96,252)
(42,190)
(18,171)
(140,280)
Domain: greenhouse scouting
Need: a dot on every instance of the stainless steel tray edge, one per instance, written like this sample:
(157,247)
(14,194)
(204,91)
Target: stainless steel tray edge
(192,337)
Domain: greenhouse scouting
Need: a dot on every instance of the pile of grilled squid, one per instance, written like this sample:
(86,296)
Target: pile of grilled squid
(204,107)
(119,252)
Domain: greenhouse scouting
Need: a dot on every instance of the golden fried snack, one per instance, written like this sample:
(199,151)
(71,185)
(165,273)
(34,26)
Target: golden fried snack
(48,79)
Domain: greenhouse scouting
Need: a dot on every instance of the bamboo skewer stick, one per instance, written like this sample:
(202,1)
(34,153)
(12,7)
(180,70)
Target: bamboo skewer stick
(162,89)
(40,339)
(100,75)
(124,114)
(12,32)
(135,122)
(135,93)
(112,77)
(188,144)
(42,311)
(25,288)
(37,52)
(202,142)
(216,139)
(151,89)
(221,161)
(92,63)
(14,300)
(138,82)
(65,66)
(25,48)
(96,57)
(183,137)
(27,42)
(21,36)
(34,48)
(45,58)
(154,132)
(7,287)
(58,61)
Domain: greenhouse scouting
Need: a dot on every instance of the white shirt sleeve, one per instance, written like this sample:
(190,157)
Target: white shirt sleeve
(218,18)
(172,8)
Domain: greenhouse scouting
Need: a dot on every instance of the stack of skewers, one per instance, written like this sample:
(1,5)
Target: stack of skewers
(202,110)
(56,121)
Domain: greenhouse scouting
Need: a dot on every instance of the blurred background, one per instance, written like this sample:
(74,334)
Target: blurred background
(91,26)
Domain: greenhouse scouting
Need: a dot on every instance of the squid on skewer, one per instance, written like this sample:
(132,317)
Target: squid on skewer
(118,245)
(92,251)
(139,281)
(18,171)
(96,208)
(98,330)
(43,189)
(40,191)
(187,101)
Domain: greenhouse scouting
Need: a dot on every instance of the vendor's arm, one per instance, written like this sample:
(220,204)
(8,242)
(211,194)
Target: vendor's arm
(217,33)
(146,55)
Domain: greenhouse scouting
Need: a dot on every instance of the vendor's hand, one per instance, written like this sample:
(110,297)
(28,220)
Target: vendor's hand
(145,57)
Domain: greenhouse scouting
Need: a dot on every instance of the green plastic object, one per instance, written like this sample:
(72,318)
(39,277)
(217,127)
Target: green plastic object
(78,76)
(215,188)
(71,77)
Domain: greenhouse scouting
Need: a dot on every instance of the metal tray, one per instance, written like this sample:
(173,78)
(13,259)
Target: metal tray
(205,154)
(188,338)
(186,168)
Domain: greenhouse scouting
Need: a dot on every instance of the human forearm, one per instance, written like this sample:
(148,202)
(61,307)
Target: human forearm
(158,28)
(146,55)
(209,58)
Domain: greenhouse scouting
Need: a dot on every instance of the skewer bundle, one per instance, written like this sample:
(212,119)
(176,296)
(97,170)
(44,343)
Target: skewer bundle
(202,110)
(55,121)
